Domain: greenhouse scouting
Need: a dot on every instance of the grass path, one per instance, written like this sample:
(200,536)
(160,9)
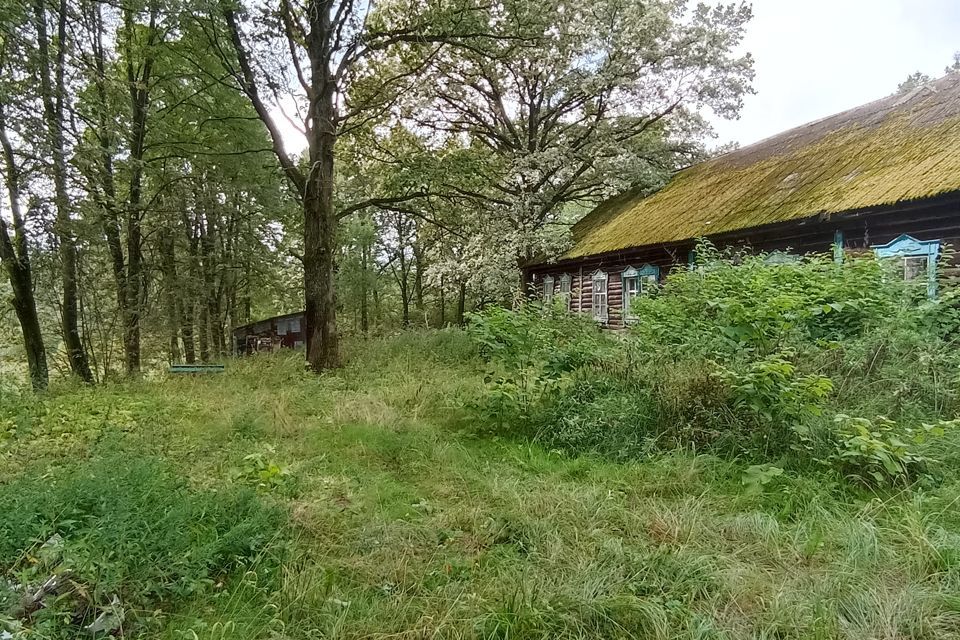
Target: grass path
(405,524)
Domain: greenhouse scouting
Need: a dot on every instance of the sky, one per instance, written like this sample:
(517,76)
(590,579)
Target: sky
(814,58)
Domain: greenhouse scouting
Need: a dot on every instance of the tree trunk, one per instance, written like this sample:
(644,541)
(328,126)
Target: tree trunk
(364,311)
(186,333)
(138,84)
(461,303)
(203,327)
(418,281)
(16,259)
(53,98)
(316,187)
(168,265)
(210,299)
(443,303)
(319,217)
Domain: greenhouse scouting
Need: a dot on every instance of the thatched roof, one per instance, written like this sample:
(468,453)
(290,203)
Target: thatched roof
(902,147)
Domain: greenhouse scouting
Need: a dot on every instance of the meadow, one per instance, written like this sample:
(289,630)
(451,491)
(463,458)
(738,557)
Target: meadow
(452,484)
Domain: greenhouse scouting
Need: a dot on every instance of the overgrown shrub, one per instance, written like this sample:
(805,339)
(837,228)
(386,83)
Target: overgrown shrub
(744,355)
(740,303)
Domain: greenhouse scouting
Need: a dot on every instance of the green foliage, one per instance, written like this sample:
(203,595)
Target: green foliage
(403,524)
(129,528)
(533,349)
(880,451)
(262,471)
(734,303)
(744,355)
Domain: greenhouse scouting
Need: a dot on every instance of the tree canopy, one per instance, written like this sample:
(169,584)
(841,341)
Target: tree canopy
(153,197)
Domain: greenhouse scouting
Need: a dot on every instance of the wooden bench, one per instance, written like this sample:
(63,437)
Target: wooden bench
(196,368)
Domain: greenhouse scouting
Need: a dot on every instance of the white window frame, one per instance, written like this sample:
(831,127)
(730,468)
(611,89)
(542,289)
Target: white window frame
(600,297)
(548,284)
(566,290)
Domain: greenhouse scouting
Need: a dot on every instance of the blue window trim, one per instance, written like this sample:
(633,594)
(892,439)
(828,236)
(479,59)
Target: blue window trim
(838,246)
(905,246)
(645,270)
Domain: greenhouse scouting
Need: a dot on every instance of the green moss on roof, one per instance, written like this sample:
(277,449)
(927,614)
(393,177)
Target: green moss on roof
(899,148)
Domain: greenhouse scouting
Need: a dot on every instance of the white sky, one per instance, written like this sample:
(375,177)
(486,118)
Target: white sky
(814,58)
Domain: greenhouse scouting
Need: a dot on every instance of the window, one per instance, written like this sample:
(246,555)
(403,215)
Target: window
(294,325)
(547,290)
(565,290)
(600,296)
(637,282)
(918,259)
(914,267)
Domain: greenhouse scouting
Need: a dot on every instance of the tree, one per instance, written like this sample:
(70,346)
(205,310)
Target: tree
(14,252)
(53,93)
(610,99)
(918,78)
(332,47)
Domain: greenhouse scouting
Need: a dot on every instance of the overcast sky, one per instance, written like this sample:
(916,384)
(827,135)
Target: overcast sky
(817,57)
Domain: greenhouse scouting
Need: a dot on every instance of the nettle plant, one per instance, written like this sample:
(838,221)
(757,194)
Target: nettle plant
(530,353)
(734,302)
(772,400)
(880,451)
(771,389)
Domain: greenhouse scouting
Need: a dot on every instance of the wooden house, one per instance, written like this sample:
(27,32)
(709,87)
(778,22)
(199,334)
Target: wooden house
(286,331)
(884,177)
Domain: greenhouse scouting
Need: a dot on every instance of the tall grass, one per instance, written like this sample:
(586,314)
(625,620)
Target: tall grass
(394,513)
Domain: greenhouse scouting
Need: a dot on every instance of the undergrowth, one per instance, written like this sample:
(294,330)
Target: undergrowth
(813,365)
(385,500)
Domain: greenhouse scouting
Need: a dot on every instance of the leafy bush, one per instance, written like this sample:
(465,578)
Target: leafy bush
(745,356)
(880,451)
(126,529)
(532,351)
(736,302)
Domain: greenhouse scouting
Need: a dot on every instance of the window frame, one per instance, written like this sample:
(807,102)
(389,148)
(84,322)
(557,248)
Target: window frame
(548,290)
(567,295)
(643,277)
(600,299)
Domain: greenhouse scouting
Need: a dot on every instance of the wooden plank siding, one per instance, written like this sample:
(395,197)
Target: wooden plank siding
(932,219)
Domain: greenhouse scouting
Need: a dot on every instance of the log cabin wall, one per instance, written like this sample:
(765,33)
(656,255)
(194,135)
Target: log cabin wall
(931,219)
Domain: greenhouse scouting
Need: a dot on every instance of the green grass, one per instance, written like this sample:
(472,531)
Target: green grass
(397,521)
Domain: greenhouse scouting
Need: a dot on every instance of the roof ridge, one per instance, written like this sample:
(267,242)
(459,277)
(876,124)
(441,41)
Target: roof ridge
(927,87)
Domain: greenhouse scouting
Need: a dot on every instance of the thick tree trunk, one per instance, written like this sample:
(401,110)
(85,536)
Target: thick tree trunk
(53,98)
(16,259)
(320,220)
(318,270)
(316,187)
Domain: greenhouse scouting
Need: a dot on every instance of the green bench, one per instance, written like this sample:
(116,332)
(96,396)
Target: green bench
(196,368)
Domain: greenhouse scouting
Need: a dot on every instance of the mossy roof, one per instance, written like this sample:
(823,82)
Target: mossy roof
(902,147)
